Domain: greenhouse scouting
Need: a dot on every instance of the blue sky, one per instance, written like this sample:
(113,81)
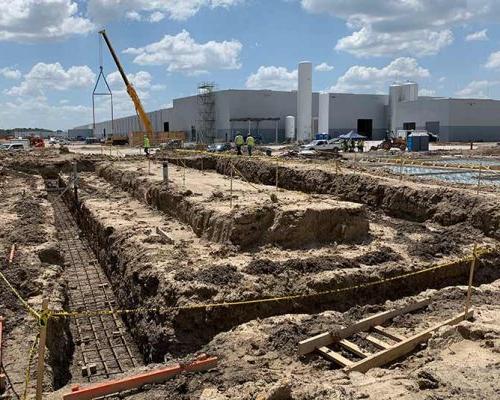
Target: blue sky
(50,50)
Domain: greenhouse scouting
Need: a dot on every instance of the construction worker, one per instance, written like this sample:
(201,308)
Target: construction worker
(361,146)
(239,141)
(345,146)
(250,144)
(146,145)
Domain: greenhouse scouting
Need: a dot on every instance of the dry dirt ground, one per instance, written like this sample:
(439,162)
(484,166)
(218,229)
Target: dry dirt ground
(185,246)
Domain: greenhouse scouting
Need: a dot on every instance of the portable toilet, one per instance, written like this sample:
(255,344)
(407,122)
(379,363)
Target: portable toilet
(410,143)
(424,142)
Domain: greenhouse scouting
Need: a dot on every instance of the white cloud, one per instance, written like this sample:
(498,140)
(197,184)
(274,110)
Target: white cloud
(10,73)
(493,61)
(395,27)
(156,16)
(477,89)
(38,112)
(107,10)
(54,77)
(477,36)
(324,67)
(367,43)
(153,17)
(140,80)
(181,53)
(371,79)
(35,20)
(273,78)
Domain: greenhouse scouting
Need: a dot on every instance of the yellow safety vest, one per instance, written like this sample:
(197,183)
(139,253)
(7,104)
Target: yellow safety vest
(250,141)
(239,140)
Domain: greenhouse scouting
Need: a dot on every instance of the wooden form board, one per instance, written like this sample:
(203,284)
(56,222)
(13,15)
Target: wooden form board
(404,347)
(133,382)
(309,345)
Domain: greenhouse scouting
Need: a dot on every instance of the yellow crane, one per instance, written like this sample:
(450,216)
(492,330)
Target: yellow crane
(146,122)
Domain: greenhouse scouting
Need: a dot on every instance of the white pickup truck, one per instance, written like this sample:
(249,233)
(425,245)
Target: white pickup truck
(324,145)
(18,145)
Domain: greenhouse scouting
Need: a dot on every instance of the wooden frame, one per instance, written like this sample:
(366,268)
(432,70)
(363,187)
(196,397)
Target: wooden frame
(309,345)
(404,347)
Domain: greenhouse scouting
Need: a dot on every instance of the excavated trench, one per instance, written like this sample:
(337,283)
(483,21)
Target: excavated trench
(261,221)
(179,332)
(445,206)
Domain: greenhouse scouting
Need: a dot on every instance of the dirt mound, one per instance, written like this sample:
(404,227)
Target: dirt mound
(29,226)
(443,205)
(380,256)
(216,275)
(441,243)
(265,266)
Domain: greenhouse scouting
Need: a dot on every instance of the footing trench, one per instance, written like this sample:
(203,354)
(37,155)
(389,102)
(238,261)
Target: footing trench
(103,348)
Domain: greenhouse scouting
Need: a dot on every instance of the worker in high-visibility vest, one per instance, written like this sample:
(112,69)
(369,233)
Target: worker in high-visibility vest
(239,141)
(146,145)
(250,144)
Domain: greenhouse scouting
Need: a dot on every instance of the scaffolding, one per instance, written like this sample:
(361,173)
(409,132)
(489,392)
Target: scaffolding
(206,108)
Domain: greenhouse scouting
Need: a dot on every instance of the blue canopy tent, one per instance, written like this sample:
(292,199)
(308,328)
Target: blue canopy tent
(352,136)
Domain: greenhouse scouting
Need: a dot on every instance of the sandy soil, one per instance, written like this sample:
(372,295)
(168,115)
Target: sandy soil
(158,257)
(36,272)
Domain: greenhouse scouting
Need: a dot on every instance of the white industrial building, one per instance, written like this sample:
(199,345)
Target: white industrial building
(276,115)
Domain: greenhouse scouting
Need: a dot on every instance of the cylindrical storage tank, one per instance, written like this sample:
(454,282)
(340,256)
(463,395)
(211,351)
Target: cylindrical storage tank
(324,113)
(290,127)
(413,91)
(395,95)
(405,96)
(304,102)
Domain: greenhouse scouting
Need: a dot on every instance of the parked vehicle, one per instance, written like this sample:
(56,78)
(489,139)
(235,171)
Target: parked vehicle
(18,145)
(334,145)
(219,147)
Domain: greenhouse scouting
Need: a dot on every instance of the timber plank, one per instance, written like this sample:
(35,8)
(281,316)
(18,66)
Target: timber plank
(335,357)
(324,339)
(404,347)
(353,348)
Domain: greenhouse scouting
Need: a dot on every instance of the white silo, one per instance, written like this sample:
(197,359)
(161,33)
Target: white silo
(304,102)
(395,97)
(410,91)
(324,113)
(413,91)
(290,128)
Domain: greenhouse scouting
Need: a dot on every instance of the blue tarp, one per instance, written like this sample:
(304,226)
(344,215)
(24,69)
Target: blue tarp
(352,135)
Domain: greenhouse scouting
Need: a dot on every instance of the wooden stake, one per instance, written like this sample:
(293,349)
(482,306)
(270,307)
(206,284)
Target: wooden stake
(277,173)
(12,253)
(479,178)
(471,279)
(41,352)
(231,187)
(184,175)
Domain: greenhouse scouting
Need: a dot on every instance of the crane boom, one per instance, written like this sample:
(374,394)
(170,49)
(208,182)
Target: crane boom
(146,122)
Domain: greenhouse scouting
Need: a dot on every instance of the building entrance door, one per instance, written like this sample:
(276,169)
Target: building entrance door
(365,127)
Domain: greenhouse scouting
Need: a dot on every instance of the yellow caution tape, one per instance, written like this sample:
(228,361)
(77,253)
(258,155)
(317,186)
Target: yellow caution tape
(162,310)
(27,376)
